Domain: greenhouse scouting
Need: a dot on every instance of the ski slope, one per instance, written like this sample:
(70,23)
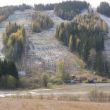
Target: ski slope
(107,40)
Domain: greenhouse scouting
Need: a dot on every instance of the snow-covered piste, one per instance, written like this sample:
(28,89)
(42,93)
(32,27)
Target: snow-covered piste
(107,41)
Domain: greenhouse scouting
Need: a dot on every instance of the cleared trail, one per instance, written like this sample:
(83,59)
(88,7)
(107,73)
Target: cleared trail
(107,40)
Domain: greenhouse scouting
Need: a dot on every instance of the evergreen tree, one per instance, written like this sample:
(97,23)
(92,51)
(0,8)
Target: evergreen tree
(8,74)
(92,59)
(70,43)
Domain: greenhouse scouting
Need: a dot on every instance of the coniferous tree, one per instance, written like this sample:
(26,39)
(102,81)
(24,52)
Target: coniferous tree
(70,45)
(8,74)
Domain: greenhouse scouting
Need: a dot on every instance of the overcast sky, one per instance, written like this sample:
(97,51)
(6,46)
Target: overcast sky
(94,3)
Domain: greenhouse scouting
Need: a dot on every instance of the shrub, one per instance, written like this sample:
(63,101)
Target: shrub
(11,82)
(56,80)
(45,80)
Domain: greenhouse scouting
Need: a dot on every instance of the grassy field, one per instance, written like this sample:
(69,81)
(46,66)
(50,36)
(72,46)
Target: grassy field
(34,104)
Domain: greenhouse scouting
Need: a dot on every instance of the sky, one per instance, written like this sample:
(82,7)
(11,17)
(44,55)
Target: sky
(94,3)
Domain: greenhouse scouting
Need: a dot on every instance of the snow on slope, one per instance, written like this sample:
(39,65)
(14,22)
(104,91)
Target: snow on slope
(107,41)
(106,19)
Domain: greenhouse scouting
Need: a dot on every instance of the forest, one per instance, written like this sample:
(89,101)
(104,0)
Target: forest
(6,11)
(85,35)
(13,40)
(104,8)
(41,7)
(41,21)
(69,9)
(23,7)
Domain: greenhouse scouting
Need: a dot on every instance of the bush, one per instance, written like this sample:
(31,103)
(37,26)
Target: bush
(56,80)
(65,77)
(45,80)
(8,82)
(49,85)
(11,82)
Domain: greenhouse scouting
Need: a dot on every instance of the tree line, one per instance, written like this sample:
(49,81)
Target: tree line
(41,7)
(41,21)
(85,35)
(104,8)
(6,11)
(13,40)
(69,9)
(23,7)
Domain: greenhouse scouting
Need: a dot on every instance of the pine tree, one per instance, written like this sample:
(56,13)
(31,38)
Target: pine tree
(92,58)
(70,45)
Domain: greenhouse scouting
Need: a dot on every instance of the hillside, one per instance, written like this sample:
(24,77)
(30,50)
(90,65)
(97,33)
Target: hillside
(77,36)
(44,46)
(42,50)
(55,56)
